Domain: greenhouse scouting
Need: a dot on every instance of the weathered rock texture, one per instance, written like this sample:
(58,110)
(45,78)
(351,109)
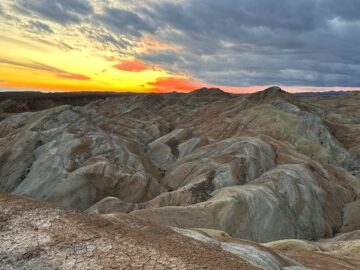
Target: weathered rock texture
(263,167)
(36,236)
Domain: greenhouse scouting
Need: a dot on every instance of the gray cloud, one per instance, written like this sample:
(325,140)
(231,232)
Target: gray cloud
(125,22)
(40,26)
(60,11)
(347,9)
(106,38)
(5,14)
(163,57)
(227,42)
(106,41)
(233,42)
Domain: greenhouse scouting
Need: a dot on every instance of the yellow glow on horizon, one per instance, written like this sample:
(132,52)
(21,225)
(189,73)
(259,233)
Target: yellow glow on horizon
(31,63)
(42,51)
(67,60)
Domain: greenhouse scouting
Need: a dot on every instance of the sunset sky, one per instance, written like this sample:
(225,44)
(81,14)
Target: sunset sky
(179,45)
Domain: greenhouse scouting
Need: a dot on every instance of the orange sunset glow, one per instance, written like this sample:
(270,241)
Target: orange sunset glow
(27,63)
(120,46)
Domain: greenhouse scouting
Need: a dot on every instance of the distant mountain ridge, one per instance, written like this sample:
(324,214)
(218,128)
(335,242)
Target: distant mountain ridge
(324,93)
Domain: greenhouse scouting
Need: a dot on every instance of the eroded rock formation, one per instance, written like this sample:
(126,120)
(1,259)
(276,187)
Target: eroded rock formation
(263,167)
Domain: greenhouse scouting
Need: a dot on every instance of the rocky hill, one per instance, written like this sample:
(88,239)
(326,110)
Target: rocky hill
(229,171)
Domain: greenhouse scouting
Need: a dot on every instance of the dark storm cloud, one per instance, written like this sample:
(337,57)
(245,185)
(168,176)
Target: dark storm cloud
(246,42)
(211,16)
(348,9)
(60,11)
(125,22)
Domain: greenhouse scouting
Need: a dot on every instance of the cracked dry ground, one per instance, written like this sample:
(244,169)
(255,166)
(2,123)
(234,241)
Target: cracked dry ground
(37,236)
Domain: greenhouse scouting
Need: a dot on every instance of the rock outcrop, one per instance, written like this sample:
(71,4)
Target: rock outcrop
(264,167)
(35,235)
(292,200)
(61,155)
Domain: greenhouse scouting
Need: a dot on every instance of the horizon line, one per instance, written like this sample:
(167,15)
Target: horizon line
(315,90)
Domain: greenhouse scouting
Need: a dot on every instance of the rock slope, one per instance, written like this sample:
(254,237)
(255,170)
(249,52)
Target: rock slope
(36,235)
(263,167)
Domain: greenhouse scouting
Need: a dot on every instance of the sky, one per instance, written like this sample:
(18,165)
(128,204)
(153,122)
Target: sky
(179,45)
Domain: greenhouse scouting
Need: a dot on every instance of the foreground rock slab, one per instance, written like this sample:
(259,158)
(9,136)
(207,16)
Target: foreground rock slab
(34,235)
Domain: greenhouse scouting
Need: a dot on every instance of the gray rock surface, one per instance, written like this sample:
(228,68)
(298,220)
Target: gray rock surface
(234,161)
(291,200)
(61,155)
(351,216)
(248,251)
(265,166)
